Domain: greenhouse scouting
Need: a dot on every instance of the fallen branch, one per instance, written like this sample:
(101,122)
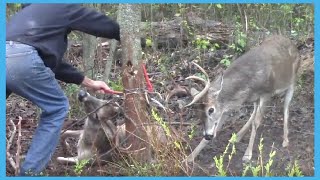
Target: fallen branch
(13,133)
(9,144)
(17,170)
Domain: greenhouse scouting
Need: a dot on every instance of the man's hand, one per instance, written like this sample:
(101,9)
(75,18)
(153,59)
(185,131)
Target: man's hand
(98,86)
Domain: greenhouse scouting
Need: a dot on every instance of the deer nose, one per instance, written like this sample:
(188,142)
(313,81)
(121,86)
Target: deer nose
(81,95)
(208,137)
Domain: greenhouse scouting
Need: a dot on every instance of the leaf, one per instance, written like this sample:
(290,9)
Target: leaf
(148,42)
(228,63)
(219,6)
(177,145)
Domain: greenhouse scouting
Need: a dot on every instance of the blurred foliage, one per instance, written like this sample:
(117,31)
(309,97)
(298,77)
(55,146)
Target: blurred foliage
(294,18)
(250,23)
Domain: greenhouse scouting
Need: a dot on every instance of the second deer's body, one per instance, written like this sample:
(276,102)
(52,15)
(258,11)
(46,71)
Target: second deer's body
(255,77)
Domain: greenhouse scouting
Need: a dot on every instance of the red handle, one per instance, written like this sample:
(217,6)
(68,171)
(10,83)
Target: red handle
(148,83)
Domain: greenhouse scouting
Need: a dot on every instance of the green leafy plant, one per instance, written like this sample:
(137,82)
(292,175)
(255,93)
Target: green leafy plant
(116,85)
(149,42)
(159,119)
(226,61)
(71,89)
(294,170)
(268,165)
(191,134)
(253,24)
(219,160)
(79,167)
(260,169)
(145,169)
(202,43)
(241,41)
(164,125)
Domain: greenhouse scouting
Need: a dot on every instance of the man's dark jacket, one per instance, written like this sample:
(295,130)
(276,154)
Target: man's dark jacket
(46,26)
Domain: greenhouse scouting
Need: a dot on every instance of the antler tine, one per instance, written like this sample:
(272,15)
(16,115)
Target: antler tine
(124,149)
(196,78)
(206,88)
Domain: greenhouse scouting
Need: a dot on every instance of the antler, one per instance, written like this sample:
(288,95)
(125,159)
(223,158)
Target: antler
(206,88)
(112,133)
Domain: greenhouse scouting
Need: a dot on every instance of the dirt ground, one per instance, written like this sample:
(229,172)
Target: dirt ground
(301,125)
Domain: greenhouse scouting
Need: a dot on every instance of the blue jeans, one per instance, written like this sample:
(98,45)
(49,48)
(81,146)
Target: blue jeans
(27,76)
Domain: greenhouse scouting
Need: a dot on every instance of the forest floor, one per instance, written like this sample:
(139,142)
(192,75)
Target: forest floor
(301,121)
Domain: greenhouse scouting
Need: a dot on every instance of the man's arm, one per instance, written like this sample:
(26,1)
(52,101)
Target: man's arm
(67,73)
(92,22)
(98,86)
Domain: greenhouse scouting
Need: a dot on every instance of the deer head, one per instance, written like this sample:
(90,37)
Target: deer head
(213,106)
(101,110)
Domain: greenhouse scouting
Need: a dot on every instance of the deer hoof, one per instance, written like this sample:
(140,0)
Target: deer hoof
(246,158)
(285,143)
(238,139)
(189,159)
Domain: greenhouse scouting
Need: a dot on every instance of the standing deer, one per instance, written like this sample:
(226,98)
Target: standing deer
(256,76)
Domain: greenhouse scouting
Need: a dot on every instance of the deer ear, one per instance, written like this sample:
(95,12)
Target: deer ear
(218,83)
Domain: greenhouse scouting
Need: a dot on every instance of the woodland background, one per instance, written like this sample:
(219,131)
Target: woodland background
(167,37)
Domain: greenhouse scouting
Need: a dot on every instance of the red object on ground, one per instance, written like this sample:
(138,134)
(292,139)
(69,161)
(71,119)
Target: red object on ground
(149,85)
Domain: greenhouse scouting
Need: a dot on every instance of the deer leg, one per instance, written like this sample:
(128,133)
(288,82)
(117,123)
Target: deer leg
(83,154)
(109,129)
(71,133)
(197,150)
(120,134)
(245,128)
(287,101)
(255,125)
(66,146)
(66,160)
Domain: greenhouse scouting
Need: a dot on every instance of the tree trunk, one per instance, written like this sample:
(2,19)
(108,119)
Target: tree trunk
(89,47)
(129,18)
(110,59)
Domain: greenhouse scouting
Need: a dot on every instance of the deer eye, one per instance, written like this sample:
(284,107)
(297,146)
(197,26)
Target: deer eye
(210,111)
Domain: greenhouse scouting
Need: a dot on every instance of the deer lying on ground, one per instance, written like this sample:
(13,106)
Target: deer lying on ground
(256,76)
(99,133)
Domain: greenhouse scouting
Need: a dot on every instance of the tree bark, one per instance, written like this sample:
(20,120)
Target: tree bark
(133,81)
(89,47)
(110,59)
